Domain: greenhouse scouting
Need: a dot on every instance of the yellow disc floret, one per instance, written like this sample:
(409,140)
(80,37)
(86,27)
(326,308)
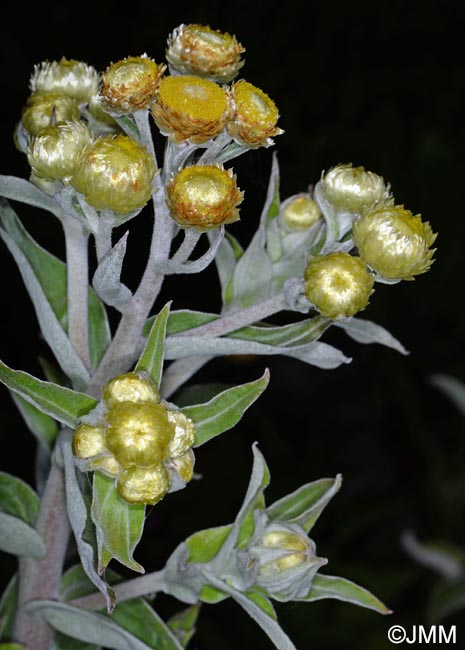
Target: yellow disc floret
(115,173)
(43,109)
(301,213)
(138,434)
(394,242)
(200,50)
(131,387)
(131,84)
(338,284)
(143,485)
(190,108)
(255,116)
(204,197)
(351,189)
(88,441)
(68,77)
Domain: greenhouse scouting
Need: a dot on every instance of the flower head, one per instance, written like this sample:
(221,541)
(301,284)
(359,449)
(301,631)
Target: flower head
(255,118)
(394,242)
(300,212)
(115,173)
(132,387)
(143,484)
(131,84)
(200,50)
(338,284)
(190,108)
(350,189)
(45,108)
(67,77)
(53,151)
(204,197)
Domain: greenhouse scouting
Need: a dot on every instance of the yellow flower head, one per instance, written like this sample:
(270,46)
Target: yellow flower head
(88,441)
(351,189)
(255,116)
(190,108)
(45,108)
(200,50)
(297,547)
(300,212)
(131,84)
(53,151)
(338,284)
(67,77)
(184,433)
(394,242)
(143,485)
(131,387)
(115,173)
(204,197)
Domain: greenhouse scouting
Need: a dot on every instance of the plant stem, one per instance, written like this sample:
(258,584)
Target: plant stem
(76,240)
(140,586)
(103,235)
(40,579)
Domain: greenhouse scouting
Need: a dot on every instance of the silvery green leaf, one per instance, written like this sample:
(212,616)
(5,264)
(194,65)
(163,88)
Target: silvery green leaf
(61,403)
(51,274)
(79,517)
(18,499)
(345,590)
(86,626)
(118,523)
(107,278)
(186,319)
(304,505)
(44,428)
(448,561)
(274,244)
(183,624)
(453,388)
(272,201)
(8,608)
(127,124)
(50,326)
(229,251)
(329,215)
(225,410)
(251,281)
(365,331)
(18,189)
(295,251)
(152,357)
(19,538)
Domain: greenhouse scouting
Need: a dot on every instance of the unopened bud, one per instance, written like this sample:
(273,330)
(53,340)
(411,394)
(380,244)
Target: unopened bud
(43,109)
(350,189)
(143,485)
(130,387)
(300,212)
(254,123)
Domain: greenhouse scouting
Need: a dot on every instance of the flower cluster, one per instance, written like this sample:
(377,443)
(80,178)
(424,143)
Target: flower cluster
(144,445)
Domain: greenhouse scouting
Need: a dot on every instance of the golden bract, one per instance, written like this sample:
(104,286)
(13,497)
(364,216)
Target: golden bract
(255,116)
(42,109)
(131,84)
(394,242)
(140,485)
(204,197)
(68,77)
(88,441)
(184,433)
(198,49)
(351,189)
(131,387)
(138,434)
(338,284)
(115,173)
(53,151)
(297,545)
(190,108)
(184,465)
(301,213)
(106,464)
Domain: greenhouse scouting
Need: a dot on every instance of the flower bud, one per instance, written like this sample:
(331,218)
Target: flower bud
(300,212)
(88,441)
(255,116)
(43,109)
(209,53)
(106,464)
(184,433)
(131,387)
(204,197)
(190,108)
(350,189)
(295,549)
(115,173)
(184,465)
(394,242)
(338,284)
(143,485)
(68,77)
(52,152)
(130,84)
(138,434)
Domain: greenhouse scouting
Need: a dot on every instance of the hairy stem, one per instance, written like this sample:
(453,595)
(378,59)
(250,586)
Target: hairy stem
(103,236)
(76,240)
(40,579)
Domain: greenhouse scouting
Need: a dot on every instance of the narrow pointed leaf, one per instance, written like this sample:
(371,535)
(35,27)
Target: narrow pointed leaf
(19,538)
(41,425)
(271,207)
(153,355)
(107,278)
(18,499)
(365,331)
(205,544)
(19,189)
(345,590)
(228,253)
(61,403)
(453,388)
(183,624)
(119,524)
(8,608)
(225,410)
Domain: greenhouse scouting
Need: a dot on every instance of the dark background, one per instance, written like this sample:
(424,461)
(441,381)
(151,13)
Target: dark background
(379,84)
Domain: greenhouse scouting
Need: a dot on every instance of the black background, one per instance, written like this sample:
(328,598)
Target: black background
(379,84)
